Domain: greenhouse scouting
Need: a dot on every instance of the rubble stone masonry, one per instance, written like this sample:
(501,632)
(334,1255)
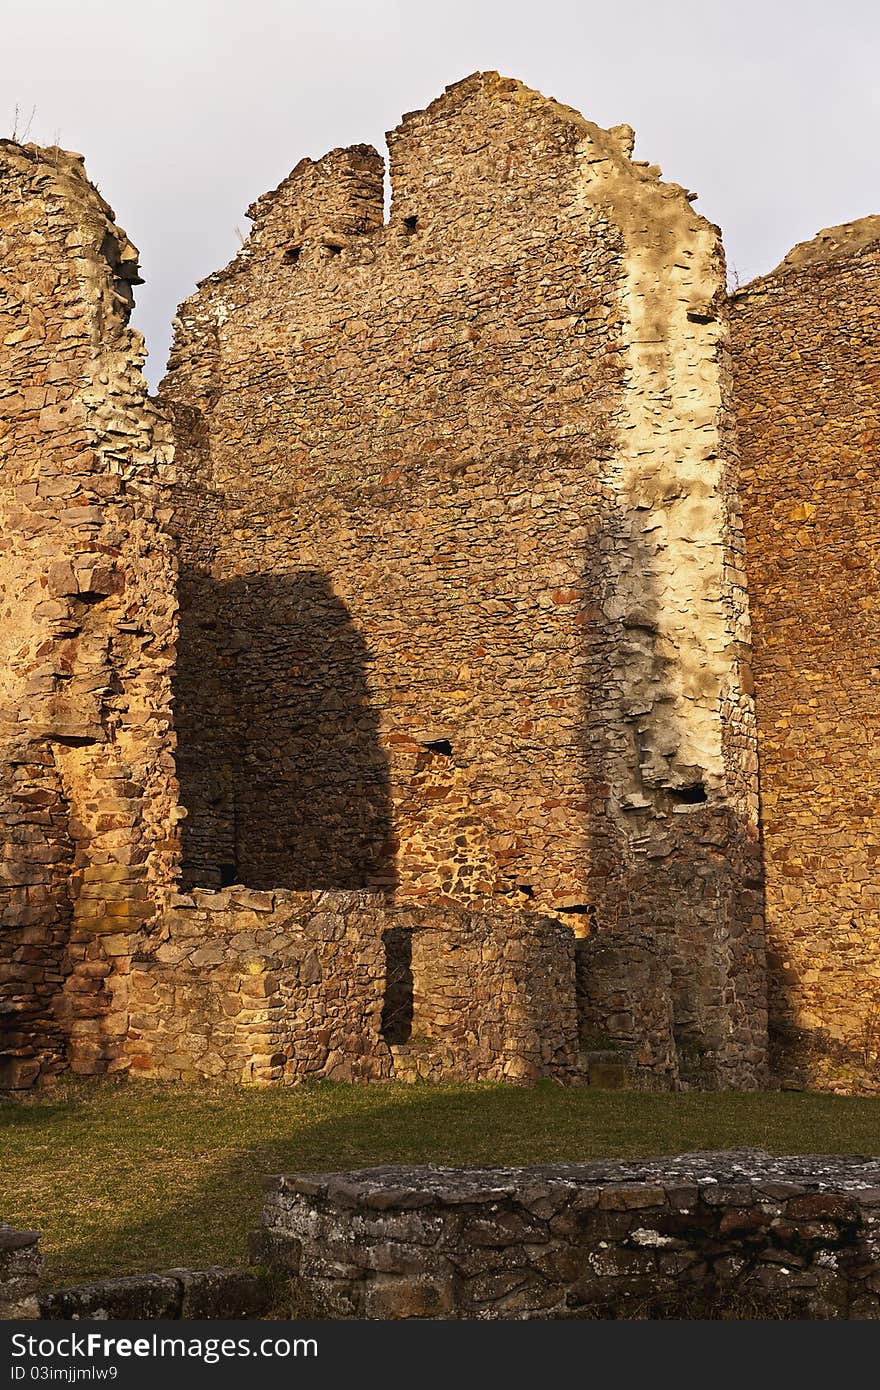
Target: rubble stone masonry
(257,987)
(737,1234)
(464,718)
(807,355)
(463,604)
(87,625)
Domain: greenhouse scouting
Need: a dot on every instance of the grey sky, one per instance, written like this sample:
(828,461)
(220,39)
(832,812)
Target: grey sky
(187,109)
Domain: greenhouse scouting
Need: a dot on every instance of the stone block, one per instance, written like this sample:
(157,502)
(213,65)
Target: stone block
(133,1297)
(393,1297)
(221,1293)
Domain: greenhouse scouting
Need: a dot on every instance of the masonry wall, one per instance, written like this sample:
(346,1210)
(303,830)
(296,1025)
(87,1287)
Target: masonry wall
(486,995)
(807,373)
(724,1235)
(87,625)
(463,610)
(625,1009)
(21,1265)
(257,987)
(252,986)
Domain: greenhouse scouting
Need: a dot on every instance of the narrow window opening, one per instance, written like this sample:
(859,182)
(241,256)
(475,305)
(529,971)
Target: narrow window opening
(578,909)
(292,254)
(333,248)
(439,745)
(526,889)
(397,1008)
(410,224)
(689,796)
(228,875)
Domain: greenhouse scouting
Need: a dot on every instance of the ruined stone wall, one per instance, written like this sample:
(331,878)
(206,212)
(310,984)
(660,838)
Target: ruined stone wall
(736,1234)
(807,374)
(626,1018)
(87,624)
(480,995)
(246,985)
(463,614)
(172,1293)
(256,987)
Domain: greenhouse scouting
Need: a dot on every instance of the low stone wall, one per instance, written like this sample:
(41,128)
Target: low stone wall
(486,995)
(21,1265)
(261,987)
(175,1293)
(738,1234)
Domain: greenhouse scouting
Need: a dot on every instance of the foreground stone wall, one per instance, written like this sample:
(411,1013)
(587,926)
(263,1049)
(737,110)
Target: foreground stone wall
(21,1265)
(252,986)
(732,1234)
(87,788)
(173,1293)
(807,356)
(463,607)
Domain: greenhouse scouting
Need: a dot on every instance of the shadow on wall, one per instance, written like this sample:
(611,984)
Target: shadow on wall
(279,759)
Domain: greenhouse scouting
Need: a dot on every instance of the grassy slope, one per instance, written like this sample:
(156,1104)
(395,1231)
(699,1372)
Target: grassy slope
(121,1178)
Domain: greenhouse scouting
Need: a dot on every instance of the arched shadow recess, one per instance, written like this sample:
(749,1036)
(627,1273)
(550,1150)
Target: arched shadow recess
(281,768)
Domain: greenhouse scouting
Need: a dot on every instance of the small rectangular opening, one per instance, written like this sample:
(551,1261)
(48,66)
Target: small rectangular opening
(439,745)
(689,796)
(228,875)
(410,224)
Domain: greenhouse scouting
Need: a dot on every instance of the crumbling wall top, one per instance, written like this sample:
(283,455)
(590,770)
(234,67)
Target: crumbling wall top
(831,244)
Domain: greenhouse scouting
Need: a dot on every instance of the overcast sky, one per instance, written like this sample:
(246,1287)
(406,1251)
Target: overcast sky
(188,109)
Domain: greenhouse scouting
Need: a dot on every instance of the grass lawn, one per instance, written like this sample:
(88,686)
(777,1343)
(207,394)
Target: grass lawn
(124,1177)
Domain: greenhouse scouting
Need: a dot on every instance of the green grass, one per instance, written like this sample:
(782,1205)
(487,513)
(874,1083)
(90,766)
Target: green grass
(126,1177)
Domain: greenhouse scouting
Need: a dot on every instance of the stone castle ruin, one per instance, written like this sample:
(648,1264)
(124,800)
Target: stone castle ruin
(380,700)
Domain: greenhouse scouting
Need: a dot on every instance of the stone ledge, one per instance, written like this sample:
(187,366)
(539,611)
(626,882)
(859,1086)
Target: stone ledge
(173,1293)
(445,1186)
(10,1239)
